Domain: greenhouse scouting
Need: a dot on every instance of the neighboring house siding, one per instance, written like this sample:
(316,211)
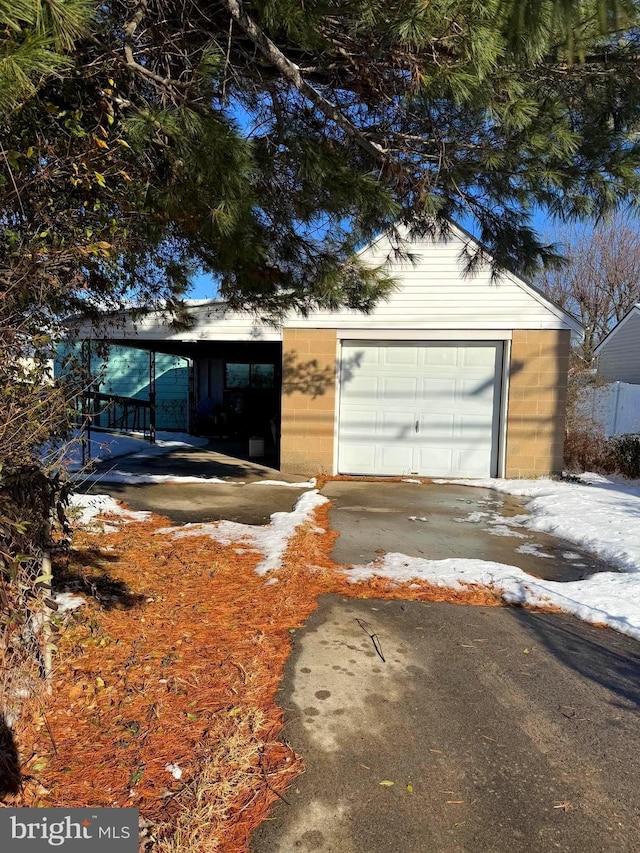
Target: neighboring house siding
(615,407)
(127,375)
(308,400)
(537,399)
(619,358)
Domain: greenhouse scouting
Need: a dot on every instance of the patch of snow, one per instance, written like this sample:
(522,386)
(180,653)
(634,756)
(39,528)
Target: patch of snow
(498,529)
(534,550)
(308,484)
(174,769)
(418,518)
(137,479)
(474,517)
(605,598)
(90,507)
(270,540)
(419,482)
(67,601)
(602,517)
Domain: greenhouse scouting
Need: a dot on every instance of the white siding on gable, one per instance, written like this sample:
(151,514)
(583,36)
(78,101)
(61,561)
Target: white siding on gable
(619,354)
(435,294)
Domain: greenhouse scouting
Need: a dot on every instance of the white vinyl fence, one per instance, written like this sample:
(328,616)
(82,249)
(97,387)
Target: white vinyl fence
(615,406)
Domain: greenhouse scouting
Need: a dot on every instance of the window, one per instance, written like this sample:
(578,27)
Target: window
(249,375)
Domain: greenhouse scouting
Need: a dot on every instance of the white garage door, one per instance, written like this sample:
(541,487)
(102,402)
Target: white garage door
(419,408)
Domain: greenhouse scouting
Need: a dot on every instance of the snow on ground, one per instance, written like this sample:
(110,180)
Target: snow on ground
(109,445)
(605,598)
(87,508)
(600,514)
(308,484)
(270,540)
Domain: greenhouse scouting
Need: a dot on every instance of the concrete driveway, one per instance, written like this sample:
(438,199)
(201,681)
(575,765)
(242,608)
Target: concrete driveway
(438,521)
(239,497)
(501,730)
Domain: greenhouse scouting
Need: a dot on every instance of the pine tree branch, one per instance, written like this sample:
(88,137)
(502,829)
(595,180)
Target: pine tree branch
(291,72)
(130,62)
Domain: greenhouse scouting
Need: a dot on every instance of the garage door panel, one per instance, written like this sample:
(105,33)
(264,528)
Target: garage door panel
(475,394)
(362,457)
(394,388)
(396,426)
(450,390)
(446,356)
(395,458)
(437,459)
(473,461)
(439,392)
(363,386)
(400,356)
(436,427)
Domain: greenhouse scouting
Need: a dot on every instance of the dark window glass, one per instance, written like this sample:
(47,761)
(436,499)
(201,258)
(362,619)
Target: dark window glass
(237,375)
(262,375)
(249,375)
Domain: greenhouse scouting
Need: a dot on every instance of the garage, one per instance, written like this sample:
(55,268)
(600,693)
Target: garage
(422,408)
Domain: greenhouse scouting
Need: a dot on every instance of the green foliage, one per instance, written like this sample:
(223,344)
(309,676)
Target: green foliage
(191,146)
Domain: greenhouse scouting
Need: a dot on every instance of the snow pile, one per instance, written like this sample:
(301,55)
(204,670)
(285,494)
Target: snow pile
(605,598)
(270,540)
(108,445)
(87,508)
(600,514)
(67,601)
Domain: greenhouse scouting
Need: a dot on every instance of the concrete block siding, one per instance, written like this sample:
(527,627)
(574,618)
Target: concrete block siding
(308,400)
(537,398)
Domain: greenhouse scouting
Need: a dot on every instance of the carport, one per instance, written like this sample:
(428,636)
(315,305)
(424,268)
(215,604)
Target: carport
(231,382)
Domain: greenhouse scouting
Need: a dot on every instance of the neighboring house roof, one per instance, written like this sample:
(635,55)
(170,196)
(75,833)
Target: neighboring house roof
(631,317)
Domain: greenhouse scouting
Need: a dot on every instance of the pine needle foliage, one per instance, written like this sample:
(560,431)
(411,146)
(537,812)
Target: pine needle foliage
(266,141)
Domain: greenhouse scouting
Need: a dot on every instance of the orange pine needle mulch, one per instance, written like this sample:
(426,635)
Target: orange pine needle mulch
(171,670)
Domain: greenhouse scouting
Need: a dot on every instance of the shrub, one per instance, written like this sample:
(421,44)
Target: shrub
(624,452)
(586,449)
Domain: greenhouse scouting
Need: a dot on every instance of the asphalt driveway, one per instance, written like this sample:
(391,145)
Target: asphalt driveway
(483,729)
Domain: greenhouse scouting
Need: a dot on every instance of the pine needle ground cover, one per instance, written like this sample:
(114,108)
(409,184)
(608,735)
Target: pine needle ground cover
(164,694)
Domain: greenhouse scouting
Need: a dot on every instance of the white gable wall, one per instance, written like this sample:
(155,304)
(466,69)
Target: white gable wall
(435,294)
(619,354)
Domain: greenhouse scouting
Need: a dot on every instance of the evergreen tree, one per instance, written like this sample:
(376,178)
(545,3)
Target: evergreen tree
(265,141)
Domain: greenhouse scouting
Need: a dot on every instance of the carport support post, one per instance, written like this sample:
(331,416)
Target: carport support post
(152,397)
(85,409)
